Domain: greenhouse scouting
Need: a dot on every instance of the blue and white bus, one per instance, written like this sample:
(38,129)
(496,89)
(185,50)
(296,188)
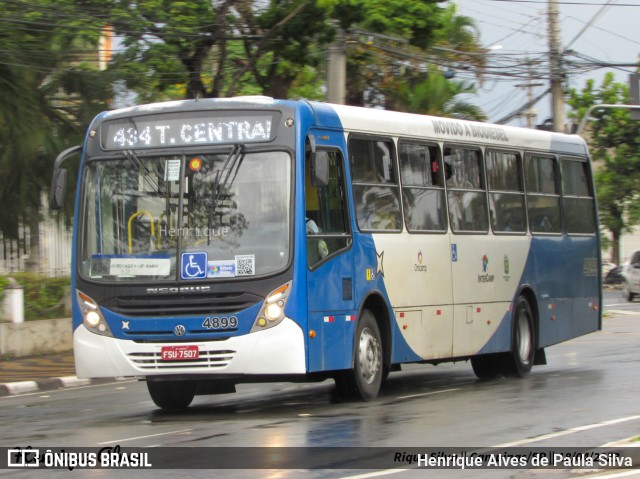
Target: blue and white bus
(224,241)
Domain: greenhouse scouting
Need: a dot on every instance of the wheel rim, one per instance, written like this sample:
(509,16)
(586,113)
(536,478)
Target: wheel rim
(369,356)
(524,336)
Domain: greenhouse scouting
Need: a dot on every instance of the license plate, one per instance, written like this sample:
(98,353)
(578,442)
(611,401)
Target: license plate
(179,353)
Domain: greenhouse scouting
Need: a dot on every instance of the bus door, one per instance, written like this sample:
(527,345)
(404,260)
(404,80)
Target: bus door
(485,266)
(329,265)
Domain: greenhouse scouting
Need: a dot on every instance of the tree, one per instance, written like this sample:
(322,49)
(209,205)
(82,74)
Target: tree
(614,140)
(276,48)
(403,72)
(218,49)
(47,93)
(435,95)
(389,39)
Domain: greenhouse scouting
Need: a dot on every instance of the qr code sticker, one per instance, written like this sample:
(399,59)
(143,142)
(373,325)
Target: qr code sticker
(246,265)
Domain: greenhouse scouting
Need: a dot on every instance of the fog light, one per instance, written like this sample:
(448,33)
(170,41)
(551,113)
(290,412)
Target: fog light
(262,322)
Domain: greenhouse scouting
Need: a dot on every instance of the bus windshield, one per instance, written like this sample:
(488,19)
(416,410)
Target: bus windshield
(185,217)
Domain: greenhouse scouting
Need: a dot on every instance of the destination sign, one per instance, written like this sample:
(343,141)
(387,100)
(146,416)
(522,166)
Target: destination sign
(187,129)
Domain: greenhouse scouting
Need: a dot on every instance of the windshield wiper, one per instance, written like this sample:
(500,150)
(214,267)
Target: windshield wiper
(233,161)
(136,161)
(229,164)
(142,169)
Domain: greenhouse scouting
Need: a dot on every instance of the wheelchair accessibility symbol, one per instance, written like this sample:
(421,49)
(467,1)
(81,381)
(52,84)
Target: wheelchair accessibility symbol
(194,265)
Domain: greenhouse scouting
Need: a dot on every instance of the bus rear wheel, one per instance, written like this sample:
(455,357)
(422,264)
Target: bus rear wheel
(523,341)
(172,394)
(364,380)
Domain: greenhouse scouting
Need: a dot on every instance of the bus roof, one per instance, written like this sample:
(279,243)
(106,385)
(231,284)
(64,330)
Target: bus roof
(391,123)
(381,122)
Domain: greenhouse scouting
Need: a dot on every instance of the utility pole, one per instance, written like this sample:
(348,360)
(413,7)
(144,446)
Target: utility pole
(337,70)
(530,113)
(555,57)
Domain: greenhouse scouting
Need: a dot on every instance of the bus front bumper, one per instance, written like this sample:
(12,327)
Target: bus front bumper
(276,351)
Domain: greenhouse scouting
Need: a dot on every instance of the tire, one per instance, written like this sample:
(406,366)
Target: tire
(626,292)
(487,366)
(364,380)
(172,394)
(519,361)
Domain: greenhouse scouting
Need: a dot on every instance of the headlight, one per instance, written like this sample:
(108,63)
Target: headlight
(92,316)
(272,311)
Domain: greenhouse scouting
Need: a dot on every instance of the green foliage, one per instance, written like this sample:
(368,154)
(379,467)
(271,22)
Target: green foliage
(48,93)
(432,94)
(276,48)
(44,297)
(614,140)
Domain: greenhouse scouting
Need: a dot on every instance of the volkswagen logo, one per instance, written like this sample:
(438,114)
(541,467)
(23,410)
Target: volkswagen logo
(179,330)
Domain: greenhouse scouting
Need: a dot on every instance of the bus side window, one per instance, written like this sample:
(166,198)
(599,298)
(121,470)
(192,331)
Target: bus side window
(422,187)
(326,221)
(466,195)
(376,190)
(577,201)
(543,195)
(506,192)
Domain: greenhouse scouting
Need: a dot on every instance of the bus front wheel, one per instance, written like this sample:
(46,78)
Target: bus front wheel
(172,394)
(364,379)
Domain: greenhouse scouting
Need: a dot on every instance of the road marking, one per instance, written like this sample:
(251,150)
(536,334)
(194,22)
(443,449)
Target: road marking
(572,430)
(621,312)
(427,394)
(117,441)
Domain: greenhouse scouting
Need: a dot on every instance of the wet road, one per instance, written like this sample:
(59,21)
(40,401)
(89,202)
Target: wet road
(587,396)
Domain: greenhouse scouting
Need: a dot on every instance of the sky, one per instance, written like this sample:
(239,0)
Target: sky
(517,31)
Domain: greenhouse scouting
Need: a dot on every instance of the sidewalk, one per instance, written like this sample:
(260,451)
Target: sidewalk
(38,373)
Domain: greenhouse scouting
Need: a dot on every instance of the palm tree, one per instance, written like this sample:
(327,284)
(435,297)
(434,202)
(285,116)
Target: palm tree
(435,95)
(458,41)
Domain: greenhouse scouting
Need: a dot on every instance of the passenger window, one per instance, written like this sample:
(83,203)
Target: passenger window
(422,187)
(376,190)
(466,194)
(506,197)
(543,198)
(578,201)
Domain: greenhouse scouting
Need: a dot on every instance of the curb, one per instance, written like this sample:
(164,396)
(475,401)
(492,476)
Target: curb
(50,384)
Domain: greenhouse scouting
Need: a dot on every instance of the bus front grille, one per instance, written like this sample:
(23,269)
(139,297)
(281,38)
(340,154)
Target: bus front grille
(206,360)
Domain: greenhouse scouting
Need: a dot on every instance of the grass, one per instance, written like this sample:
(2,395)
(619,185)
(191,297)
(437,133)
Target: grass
(44,297)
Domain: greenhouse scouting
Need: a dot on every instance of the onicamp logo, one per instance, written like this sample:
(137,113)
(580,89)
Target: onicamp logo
(419,266)
(485,263)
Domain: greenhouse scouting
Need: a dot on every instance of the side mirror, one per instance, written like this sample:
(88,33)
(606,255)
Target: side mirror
(58,189)
(320,168)
(59,178)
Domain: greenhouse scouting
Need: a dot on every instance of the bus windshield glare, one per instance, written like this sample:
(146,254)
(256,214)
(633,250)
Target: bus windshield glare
(185,217)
